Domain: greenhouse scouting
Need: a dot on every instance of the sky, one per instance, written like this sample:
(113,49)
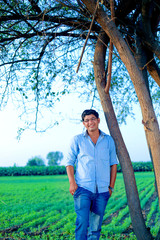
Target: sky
(31,144)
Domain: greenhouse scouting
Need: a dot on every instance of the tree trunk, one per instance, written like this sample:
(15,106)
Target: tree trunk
(149,118)
(129,179)
(141,60)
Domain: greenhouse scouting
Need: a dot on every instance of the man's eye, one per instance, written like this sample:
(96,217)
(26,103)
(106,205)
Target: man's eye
(92,119)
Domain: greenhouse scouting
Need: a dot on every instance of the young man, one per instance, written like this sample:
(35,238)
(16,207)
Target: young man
(94,155)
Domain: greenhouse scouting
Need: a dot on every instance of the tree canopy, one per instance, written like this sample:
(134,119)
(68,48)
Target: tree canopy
(41,43)
(36,161)
(54,158)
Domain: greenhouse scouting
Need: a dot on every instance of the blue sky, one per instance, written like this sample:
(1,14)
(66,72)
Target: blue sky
(57,139)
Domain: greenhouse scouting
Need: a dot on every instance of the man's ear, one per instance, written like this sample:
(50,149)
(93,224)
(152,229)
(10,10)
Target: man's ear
(98,120)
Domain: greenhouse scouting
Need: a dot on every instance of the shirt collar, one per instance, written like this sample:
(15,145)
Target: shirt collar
(85,134)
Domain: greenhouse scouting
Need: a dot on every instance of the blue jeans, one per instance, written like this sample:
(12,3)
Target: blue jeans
(90,208)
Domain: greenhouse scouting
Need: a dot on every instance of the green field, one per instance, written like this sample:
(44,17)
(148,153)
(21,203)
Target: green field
(41,207)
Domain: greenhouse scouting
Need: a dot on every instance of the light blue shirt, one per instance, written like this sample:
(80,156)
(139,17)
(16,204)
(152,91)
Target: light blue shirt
(93,161)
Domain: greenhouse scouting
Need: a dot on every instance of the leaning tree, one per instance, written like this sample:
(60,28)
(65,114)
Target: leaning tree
(41,43)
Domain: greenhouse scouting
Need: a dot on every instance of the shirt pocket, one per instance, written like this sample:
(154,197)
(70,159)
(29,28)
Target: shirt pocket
(86,156)
(103,155)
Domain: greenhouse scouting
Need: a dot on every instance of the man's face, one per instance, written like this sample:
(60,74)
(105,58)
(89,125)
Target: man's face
(91,122)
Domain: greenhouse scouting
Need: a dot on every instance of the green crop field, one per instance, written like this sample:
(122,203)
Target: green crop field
(41,207)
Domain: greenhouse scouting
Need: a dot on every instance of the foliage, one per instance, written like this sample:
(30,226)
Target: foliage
(54,158)
(36,161)
(58,170)
(41,207)
(139,167)
(32,171)
(41,43)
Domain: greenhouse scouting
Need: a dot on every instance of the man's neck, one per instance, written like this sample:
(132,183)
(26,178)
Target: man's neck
(94,135)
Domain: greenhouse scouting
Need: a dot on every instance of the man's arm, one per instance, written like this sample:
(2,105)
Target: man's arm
(113,177)
(73,184)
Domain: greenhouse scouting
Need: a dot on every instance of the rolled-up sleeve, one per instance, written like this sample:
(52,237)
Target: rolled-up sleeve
(72,152)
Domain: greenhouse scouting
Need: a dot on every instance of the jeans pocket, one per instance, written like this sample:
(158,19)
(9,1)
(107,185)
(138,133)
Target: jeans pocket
(77,192)
(107,195)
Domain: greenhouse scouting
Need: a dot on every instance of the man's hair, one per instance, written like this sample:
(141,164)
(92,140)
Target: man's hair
(89,112)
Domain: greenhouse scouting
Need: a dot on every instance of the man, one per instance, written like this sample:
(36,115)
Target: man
(94,155)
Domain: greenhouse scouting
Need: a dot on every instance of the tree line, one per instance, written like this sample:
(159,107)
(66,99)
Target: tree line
(53,158)
(41,170)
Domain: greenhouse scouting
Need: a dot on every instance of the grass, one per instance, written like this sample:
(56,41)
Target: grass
(41,207)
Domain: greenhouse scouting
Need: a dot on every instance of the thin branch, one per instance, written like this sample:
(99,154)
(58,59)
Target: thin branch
(35,7)
(4,93)
(94,95)
(87,36)
(55,34)
(37,85)
(18,61)
(109,69)
(110,52)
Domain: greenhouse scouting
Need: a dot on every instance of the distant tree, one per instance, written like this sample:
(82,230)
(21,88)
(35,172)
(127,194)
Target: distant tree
(36,161)
(54,158)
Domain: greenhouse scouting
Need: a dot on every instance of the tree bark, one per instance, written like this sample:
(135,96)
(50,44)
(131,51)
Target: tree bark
(129,179)
(154,70)
(149,118)
(141,60)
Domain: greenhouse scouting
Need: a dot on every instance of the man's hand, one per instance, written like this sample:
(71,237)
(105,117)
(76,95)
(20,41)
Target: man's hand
(73,187)
(113,177)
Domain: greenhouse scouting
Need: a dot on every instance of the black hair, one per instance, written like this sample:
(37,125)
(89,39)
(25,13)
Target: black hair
(89,112)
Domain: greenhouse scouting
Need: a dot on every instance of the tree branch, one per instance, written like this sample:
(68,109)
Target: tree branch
(87,36)
(154,71)
(35,7)
(110,52)
(149,39)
